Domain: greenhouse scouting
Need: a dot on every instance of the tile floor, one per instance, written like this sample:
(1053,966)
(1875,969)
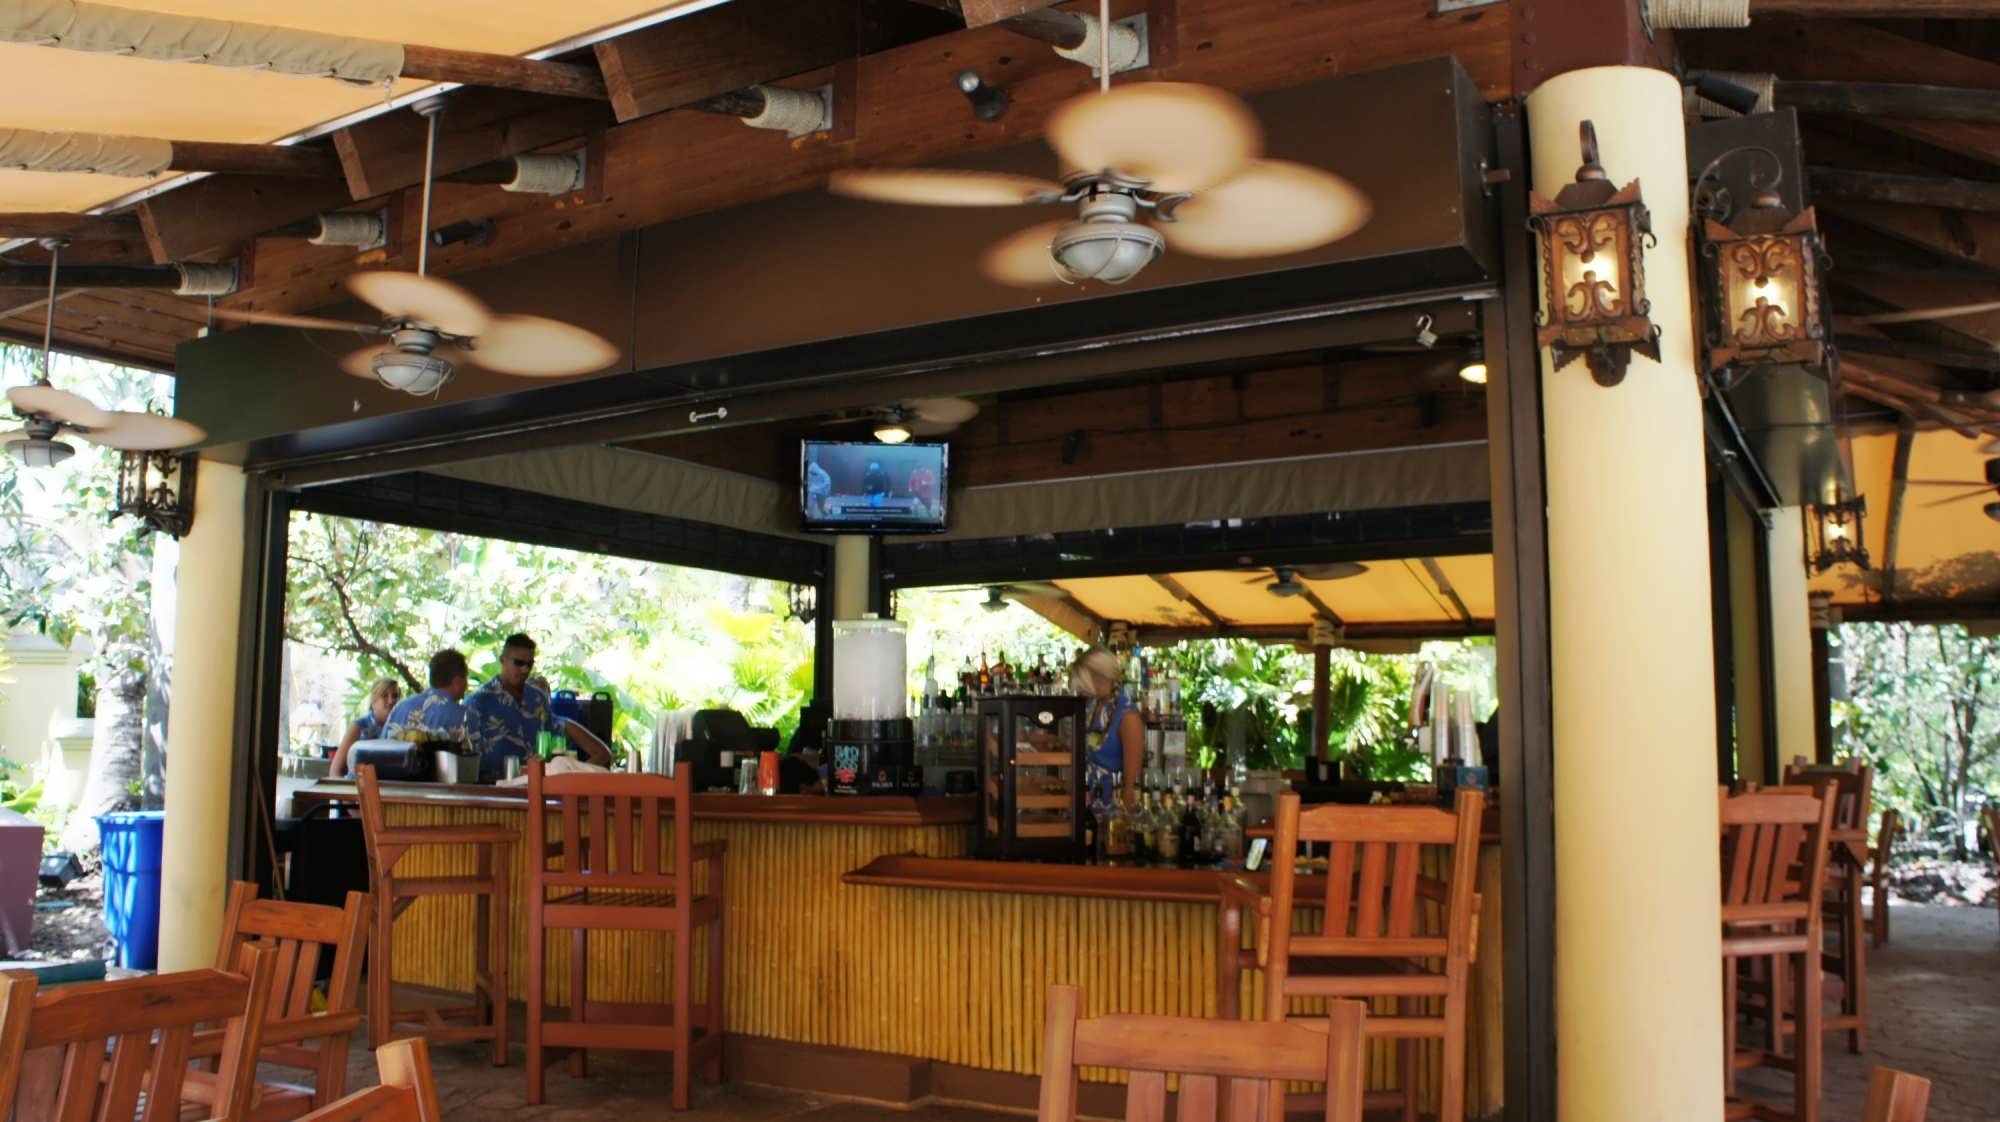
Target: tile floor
(1934,1003)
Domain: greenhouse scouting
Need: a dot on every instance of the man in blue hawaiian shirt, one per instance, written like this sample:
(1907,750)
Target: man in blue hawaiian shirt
(508,713)
(436,711)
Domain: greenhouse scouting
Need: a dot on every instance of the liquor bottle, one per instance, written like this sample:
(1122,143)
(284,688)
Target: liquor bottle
(1234,837)
(1118,831)
(1092,827)
(984,682)
(1190,835)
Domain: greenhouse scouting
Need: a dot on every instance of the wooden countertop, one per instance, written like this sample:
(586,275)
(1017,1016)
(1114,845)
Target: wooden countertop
(821,810)
(1103,882)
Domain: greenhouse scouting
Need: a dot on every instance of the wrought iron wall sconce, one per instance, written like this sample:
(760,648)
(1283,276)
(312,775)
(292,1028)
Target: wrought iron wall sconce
(1593,242)
(158,489)
(1761,276)
(1835,534)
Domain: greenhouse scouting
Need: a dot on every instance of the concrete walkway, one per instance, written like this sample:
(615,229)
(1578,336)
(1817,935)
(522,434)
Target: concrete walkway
(1934,1005)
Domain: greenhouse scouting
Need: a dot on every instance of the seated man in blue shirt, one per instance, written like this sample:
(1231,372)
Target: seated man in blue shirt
(507,714)
(436,711)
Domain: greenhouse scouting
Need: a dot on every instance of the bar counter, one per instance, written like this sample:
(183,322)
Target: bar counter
(864,923)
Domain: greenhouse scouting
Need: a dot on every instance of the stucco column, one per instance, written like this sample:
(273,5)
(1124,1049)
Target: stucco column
(202,729)
(1638,914)
(852,576)
(1791,639)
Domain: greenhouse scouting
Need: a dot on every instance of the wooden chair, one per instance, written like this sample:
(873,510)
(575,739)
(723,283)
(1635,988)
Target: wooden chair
(110,1051)
(1990,813)
(1230,1071)
(406,1093)
(391,895)
(1878,877)
(612,874)
(1774,856)
(294,1034)
(1375,943)
(1849,786)
(1896,1096)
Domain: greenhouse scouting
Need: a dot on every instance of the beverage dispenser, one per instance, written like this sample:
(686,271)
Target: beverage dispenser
(871,742)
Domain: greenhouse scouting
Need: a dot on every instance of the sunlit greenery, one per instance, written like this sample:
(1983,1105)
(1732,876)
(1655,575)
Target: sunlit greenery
(657,638)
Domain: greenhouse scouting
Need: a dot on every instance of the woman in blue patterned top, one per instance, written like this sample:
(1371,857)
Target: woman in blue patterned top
(1114,733)
(369,725)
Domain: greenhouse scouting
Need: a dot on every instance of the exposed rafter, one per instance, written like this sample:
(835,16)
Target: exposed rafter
(1899,485)
(76,227)
(1179,592)
(1974,195)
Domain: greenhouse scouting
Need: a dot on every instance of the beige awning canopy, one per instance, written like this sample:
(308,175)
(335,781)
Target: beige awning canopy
(1947,549)
(1405,597)
(59,90)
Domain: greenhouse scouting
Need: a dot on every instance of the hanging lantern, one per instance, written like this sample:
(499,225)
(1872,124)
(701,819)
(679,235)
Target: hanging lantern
(1593,242)
(1761,276)
(158,489)
(1835,534)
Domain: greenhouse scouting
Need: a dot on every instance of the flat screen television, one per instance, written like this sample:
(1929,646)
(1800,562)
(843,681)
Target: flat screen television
(865,487)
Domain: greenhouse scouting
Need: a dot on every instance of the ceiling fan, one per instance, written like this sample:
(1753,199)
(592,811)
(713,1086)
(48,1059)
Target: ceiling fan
(1188,153)
(1288,580)
(925,416)
(999,597)
(46,412)
(433,326)
(1969,489)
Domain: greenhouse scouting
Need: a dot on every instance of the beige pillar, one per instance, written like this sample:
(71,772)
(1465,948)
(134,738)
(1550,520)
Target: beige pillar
(1638,972)
(852,576)
(1791,638)
(202,729)
(1747,623)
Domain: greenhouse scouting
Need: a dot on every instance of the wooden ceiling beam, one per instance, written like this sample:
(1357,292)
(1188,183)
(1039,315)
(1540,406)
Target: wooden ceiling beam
(76,227)
(1973,195)
(672,165)
(1878,9)
(294,160)
(224,211)
(1179,591)
(504,72)
(1444,585)
(1862,386)
(1980,334)
(1889,99)
(723,49)
(387,153)
(981,13)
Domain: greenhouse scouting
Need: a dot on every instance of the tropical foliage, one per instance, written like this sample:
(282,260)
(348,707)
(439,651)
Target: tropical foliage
(70,569)
(1924,708)
(657,638)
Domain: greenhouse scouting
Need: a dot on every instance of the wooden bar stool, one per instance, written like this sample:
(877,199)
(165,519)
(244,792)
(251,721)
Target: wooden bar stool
(492,847)
(1848,785)
(1878,876)
(612,873)
(1774,855)
(1376,942)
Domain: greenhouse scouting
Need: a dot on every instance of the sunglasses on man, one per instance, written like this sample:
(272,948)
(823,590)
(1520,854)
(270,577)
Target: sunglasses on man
(523,663)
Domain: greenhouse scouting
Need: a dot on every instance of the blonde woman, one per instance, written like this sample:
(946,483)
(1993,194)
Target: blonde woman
(1114,733)
(368,726)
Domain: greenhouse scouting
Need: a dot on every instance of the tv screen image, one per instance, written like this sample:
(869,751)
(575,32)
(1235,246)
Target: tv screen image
(864,486)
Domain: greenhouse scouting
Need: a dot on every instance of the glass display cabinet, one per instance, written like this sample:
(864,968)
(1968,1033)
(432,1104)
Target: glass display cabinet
(1031,796)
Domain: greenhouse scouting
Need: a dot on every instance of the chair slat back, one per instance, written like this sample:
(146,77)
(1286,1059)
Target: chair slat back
(373,823)
(109,1051)
(613,826)
(1773,852)
(1230,1071)
(303,935)
(1885,846)
(1896,1096)
(406,1093)
(1850,783)
(1991,813)
(1374,878)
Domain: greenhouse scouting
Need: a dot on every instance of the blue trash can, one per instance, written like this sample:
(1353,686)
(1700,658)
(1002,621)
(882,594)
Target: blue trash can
(131,841)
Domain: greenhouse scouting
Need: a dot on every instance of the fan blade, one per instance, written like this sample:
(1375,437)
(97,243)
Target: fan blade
(539,347)
(1023,260)
(1273,207)
(143,432)
(426,300)
(357,363)
(1946,483)
(1990,448)
(1332,570)
(1176,135)
(1264,576)
(952,410)
(920,427)
(1972,494)
(310,323)
(942,187)
(44,400)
